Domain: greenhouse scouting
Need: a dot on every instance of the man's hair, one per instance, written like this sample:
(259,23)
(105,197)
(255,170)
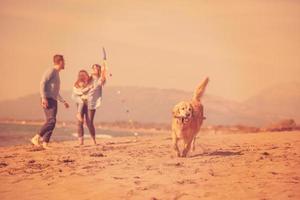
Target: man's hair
(57,59)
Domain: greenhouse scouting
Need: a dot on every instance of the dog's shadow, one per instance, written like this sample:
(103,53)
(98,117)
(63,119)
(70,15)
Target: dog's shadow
(219,153)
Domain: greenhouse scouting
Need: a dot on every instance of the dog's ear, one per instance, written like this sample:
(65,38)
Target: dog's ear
(175,111)
(192,109)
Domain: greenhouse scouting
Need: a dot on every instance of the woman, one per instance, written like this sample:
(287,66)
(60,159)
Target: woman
(93,100)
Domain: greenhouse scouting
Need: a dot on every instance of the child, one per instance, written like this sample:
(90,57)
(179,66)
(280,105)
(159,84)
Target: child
(80,91)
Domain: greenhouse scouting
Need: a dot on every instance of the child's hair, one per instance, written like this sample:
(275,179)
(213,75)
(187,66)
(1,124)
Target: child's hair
(76,84)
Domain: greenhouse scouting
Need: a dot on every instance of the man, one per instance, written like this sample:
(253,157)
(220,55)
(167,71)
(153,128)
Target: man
(49,90)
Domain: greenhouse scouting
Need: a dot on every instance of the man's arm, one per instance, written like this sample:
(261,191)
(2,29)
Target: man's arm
(45,78)
(62,100)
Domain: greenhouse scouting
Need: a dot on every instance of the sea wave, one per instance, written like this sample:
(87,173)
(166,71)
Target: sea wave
(97,135)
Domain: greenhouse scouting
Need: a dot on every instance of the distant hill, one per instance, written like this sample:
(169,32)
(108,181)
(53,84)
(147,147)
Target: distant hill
(278,102)
(154,105)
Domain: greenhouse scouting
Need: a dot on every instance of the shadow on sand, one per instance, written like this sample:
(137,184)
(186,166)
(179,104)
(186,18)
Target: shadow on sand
(219,153)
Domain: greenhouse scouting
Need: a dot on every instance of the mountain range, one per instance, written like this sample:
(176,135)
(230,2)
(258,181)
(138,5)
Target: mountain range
(155,105)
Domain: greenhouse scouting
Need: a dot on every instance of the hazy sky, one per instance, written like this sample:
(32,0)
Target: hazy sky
(243,46)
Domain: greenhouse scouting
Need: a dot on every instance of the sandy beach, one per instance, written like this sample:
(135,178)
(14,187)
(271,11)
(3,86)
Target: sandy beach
(233,166)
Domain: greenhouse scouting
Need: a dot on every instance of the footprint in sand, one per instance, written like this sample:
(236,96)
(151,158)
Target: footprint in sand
(177,164)
(178,196)
(97,155)
(66,160)
(118,178)
(185,181)
(142,188)
(265,154)
(3,164)
(211,172)
(137,182)
(32,164)
(34,149)
(8,156)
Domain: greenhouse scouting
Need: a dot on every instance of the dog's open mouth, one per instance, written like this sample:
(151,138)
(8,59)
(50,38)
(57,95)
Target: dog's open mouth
(185,119)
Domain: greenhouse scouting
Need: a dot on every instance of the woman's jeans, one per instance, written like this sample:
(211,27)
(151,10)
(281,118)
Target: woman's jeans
(89,119)
(49,125)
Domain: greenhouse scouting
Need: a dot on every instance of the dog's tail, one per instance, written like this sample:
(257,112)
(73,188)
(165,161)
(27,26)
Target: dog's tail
(200,90)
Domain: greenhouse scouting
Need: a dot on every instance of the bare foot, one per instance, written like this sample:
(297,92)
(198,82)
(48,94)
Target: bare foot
(46,146)
(94,140)
(80,139)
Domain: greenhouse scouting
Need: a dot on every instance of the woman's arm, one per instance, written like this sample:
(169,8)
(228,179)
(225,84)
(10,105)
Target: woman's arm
(87,89)
(103,73)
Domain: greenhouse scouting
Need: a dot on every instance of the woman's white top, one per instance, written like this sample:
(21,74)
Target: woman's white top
(95,93)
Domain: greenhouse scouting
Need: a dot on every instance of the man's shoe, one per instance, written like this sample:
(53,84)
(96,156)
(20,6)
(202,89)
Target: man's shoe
(35,140)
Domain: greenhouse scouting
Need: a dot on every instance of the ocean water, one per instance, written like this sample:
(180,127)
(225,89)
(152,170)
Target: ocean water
(15,134)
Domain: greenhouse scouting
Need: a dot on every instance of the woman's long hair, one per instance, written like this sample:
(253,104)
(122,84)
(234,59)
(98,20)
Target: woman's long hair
(76,84)
(100,71)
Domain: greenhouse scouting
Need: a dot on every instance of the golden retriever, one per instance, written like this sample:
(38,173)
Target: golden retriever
(187,118)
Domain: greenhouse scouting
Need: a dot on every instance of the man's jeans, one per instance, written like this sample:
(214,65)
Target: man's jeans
(49,125)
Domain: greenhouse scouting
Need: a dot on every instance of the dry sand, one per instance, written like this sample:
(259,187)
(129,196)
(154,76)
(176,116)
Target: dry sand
(237,166)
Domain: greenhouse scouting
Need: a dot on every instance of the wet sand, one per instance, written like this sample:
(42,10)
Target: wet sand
(232,166)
